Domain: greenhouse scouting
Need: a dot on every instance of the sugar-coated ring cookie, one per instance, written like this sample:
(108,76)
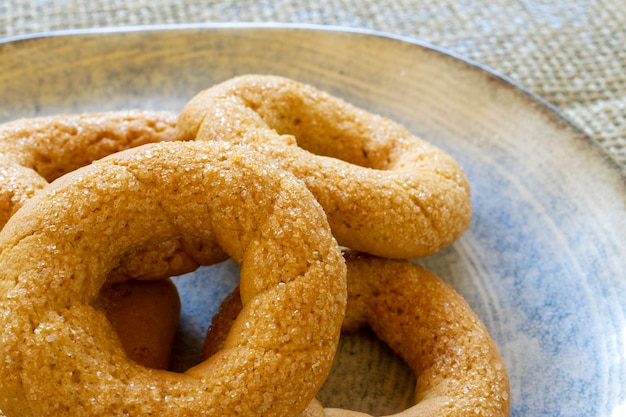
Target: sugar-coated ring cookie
(35,151)
(385,191)
(60,356)
(429,325)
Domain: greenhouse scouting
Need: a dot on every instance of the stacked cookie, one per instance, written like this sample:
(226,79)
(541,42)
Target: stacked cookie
(320,202)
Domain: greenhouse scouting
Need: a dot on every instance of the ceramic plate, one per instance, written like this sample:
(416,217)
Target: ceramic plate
(543,262)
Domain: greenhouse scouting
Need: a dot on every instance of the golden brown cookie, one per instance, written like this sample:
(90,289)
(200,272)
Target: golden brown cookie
(60,354)
(35,151)
(385,191)
(458,368)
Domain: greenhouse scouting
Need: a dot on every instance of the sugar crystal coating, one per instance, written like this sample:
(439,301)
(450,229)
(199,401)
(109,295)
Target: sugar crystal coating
(59,354)
(458,369)
(385,191)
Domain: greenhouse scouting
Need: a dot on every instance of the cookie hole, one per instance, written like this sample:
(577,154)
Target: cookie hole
(367,376)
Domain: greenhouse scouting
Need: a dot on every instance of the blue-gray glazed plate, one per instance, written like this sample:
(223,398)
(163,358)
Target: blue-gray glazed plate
(543,263)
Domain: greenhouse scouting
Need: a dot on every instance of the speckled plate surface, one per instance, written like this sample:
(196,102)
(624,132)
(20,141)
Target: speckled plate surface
(543,263)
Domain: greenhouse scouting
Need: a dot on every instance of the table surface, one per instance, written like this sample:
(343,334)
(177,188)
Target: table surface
(571,53)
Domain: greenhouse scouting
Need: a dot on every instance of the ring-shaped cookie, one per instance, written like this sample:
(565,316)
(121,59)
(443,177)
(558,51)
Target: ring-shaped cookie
(35,151)
(59,356)
(385,191)
(38,150)
(430,326)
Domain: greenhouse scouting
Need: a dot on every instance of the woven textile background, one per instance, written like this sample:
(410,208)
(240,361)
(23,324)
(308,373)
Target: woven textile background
(573,53)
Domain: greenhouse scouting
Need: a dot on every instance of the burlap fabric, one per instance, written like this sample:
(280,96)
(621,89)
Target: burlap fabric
(572,53)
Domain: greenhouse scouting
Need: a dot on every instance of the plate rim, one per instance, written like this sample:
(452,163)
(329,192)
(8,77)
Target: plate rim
(294,26)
